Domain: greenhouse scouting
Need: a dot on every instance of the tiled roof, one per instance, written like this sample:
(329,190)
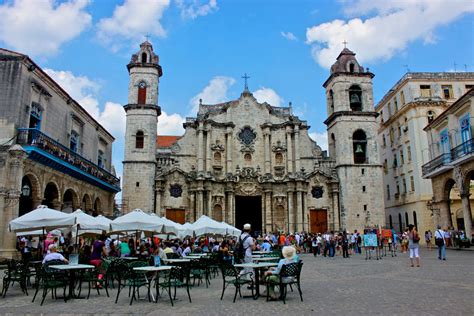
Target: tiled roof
(166,141)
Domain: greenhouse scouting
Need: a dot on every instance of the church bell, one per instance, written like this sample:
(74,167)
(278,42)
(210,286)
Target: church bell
(359,149)
(355,98)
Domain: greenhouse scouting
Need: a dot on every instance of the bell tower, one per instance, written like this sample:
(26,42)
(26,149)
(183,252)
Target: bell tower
(142,111)
(352,134)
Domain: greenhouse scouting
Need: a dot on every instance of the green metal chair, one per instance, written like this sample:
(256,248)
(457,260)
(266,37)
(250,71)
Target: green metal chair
(178,277)
(231,275)
(17,271)
(51,279)
(133,279)
(97,276)
(289,274)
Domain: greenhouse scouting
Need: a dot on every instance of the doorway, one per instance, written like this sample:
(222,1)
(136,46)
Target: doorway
(248,209)
(318,219)
(176,215)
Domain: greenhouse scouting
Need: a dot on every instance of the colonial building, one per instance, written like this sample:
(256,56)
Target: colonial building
(451,165)
(244,161)
(52,151)
(411,104)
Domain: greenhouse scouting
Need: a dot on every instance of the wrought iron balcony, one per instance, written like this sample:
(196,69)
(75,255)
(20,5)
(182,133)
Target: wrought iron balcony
(46,150)
(447,160)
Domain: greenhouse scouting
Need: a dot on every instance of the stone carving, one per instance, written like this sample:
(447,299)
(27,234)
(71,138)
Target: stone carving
(247,136)
(317,192)
(278,147)
(176,190)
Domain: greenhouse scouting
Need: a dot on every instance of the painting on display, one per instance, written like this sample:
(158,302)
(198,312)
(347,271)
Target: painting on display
(370,240)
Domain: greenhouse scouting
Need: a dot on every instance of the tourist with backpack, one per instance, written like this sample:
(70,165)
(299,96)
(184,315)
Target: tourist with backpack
(244,248)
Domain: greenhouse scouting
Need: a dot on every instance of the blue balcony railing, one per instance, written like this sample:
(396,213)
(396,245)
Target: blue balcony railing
(78,165)
(460,151)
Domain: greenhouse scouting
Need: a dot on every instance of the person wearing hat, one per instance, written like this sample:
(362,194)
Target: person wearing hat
(54,255)
(249,245)
(289,256)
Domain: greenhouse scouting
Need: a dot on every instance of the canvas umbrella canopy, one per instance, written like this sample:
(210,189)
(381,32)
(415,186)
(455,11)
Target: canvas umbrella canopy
(231,230)
(137,220)
(169,227)
(185,230)
(41,218)
(86,224)
(207,226)
(39,232)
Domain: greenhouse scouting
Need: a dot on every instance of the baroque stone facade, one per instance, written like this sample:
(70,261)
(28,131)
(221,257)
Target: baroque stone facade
(244,161)
(52,151)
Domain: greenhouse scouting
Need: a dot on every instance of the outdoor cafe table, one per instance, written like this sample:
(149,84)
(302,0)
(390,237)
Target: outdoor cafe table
(72,268)
(157,270)
(129,258)
(199,255)
(177,260)
(257,267)
(265,259)
(260,252)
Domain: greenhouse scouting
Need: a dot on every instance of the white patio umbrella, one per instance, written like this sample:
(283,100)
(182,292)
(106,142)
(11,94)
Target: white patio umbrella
(207,226)
(185,230)
(231,230)
(86,224)
(137,220)
(42,218)
(39,232)
(169,227)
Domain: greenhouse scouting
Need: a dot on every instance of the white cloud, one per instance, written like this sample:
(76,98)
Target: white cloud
(131,21)
(268,95)
(214,92)
(39,28)
(170,124)
(321,139)
(195,8)
(289,36)
(84,91)
(395,24)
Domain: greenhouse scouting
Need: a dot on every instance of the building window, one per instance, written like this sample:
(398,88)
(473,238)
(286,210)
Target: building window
(407,222)
(363,188)
(425,91)
(404,181)
(388,192)
(398,189)
(384,141)
(400,223)
(385,168)
(137,184)
(444,141)
(100,159)
(355,98)
(144,58)
(381,116)
(390,221)
(402,158)
(359,140)
(141,93)
(395,105)
(139,139)
(365,207)
(415,220)
(362,171)
(389,110)
(331,99)
(409,153)
(402,98)
(412,183)
(465,123)
(395,162)
(74,141)
(447,91)
(391,135)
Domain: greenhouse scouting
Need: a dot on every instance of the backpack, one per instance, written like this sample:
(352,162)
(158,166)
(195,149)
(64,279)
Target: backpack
(239,252)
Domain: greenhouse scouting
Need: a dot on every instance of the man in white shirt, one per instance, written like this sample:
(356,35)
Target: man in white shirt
(249,245)
(54,255)
(440,241)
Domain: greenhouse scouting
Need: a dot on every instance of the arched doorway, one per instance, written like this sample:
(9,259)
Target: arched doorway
(70,201)
(400,223)
(217,213)
(51,196)
(390,221)
(86,204)
(450,197)
(97,207)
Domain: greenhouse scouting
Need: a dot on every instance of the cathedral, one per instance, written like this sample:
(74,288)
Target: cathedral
(248,162)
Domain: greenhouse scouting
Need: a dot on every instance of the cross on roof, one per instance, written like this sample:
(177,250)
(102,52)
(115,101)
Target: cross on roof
(245,76)
(345,43)
(147,36)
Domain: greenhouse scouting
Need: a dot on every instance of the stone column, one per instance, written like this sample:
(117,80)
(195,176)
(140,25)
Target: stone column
(199,203)
(299,210)
(229,150)
(466,211)
(208,150)
(200,149)
(291,212)
(297,149)
(268,211)
(192,207)
(289,158)
(335,208)
(305,212)
(266,137)
(231,208)
(209,202)
(158,210)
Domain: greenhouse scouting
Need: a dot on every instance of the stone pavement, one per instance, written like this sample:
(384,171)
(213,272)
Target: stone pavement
(331,286)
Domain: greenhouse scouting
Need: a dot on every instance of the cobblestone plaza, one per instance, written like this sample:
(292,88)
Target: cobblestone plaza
(331,286)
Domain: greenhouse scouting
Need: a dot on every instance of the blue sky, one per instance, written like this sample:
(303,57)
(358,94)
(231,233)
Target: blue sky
(206,46)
